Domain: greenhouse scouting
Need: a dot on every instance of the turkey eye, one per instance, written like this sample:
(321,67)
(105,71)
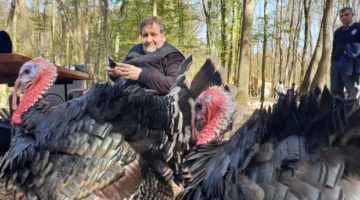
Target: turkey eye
(26,71)
(198,107)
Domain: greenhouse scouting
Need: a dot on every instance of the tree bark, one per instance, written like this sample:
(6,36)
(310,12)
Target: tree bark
(293,72)
(207,15)
(53,30)
(77,39)
(223,33)
(276,24)
(12,22)
(245,51)
(307,7)
(262,97)
(291,38)
(154,4)
(313,62)
(319,78)
(280,46)
(233,43)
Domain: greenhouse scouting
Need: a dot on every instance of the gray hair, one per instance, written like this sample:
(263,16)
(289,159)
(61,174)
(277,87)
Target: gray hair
(150,21)
(346,9)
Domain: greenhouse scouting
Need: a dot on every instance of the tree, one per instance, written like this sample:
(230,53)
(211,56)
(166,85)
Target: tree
(280,38)
(319,78)
(12,22)
(245,51)
(293,69)
(307,7)
(154,4)
(313,62)
(235,26)
(262,97)
(275,56)
(290,47)
(223,32)
(208,19)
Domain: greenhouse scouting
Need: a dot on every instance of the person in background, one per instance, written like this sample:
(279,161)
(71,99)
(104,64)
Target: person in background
(279,90)
(154,62)
(345,62)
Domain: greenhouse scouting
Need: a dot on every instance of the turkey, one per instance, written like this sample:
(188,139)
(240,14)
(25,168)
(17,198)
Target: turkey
(118,141)
(305,150)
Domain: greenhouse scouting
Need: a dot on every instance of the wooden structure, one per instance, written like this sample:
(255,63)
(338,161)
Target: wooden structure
(11,63)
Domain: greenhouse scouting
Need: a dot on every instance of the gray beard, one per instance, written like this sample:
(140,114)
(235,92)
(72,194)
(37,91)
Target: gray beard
(152,51)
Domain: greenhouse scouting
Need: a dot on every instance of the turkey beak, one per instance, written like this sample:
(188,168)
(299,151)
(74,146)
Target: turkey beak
(14,94)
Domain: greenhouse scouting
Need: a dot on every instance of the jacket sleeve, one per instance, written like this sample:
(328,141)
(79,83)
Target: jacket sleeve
(159,82)
(333,47)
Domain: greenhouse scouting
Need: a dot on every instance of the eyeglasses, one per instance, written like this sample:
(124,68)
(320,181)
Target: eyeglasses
(344,15)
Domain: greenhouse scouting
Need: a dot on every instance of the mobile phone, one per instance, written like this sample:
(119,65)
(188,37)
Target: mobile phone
(111,62)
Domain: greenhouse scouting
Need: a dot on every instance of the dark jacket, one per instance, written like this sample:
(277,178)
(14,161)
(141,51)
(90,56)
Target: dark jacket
(350,61)
(159,69)
(342,37)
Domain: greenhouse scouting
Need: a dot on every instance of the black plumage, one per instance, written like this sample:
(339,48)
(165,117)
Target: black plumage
(5,133)
(116,141)
(296,150)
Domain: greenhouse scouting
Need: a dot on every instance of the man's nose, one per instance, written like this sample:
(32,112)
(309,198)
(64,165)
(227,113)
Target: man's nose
(148,39)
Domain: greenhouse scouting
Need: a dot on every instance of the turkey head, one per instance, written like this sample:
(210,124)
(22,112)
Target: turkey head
(213,113)
(35,78)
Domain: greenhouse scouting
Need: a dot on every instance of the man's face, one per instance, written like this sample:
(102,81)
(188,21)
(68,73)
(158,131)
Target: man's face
(151,37)
(346,17)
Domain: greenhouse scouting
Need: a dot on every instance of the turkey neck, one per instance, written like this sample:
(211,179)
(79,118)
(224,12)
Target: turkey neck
(33,113)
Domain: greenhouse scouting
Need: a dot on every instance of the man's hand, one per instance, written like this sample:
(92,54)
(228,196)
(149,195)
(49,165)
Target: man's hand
(125,71)
(129,72)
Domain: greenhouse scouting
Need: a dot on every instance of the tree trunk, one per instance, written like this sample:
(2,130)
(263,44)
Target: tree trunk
(207,15)
(319,78)
(293,71)
(42,32)
(313,62)
(223,33)
(105,27)
(11,23)
(307,7)
(77,39)
(98,46)
(291,38)
(53,30)
(67,57)
(262,97)
(280,46)
(276,24)
(154,3)
(181,16)
(245,51)
(233,43)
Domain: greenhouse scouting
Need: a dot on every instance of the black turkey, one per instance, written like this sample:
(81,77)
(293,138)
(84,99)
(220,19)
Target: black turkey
(305,150)
(118,141)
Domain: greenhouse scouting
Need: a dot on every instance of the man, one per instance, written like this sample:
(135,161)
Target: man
(344,70)
(279,90)
(154,62)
